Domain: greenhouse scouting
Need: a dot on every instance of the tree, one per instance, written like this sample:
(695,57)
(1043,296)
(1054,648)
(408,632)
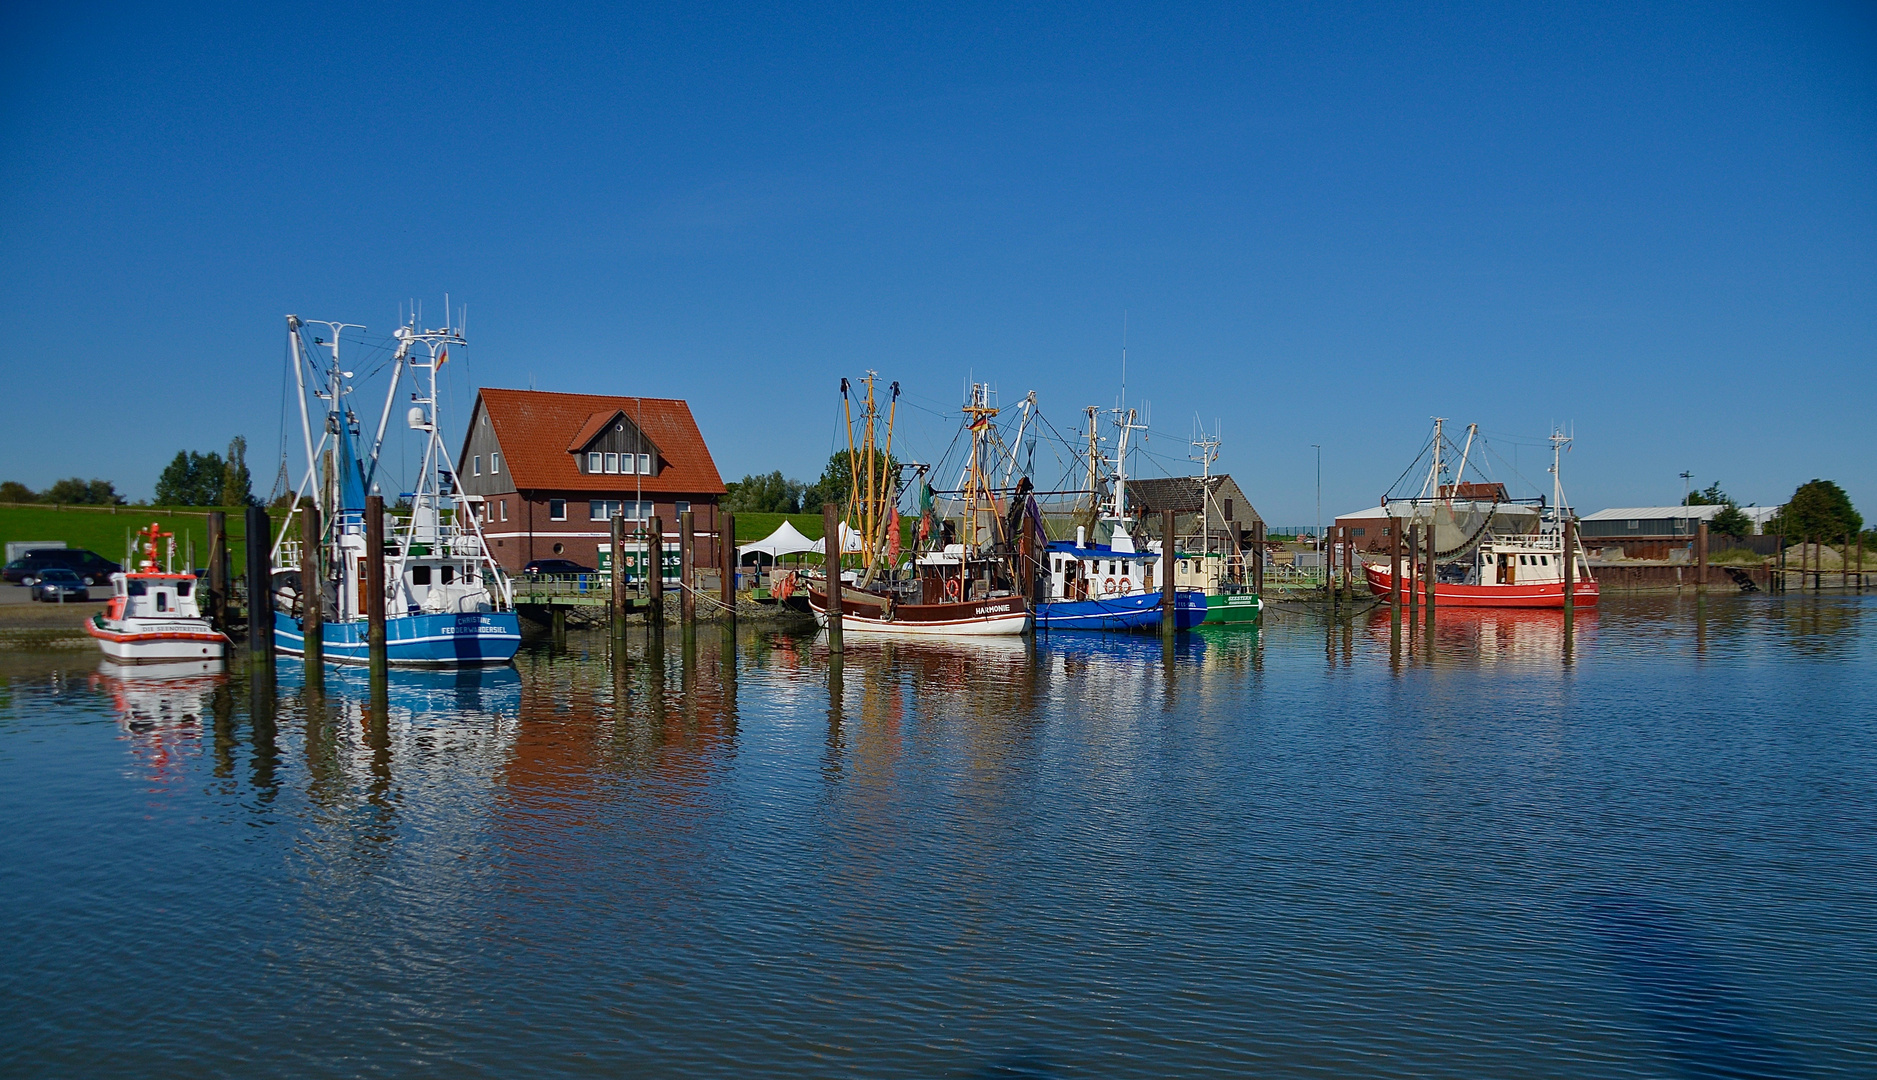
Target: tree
(835,483)
(191,479)
(75,492)
(769,493)
(1731,522)
(237,485)
(14,492)
(1712,496)
(1818,510)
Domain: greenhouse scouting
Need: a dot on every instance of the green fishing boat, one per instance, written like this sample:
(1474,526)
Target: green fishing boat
(1229,598)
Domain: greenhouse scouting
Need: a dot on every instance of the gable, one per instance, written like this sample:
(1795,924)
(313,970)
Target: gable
(546,438)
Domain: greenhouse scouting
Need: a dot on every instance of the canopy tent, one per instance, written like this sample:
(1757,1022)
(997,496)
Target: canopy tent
(786,540)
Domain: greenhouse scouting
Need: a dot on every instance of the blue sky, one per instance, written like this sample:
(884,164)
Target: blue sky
(1323,224)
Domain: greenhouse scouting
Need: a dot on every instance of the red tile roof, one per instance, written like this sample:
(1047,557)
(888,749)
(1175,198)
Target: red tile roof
(536,429)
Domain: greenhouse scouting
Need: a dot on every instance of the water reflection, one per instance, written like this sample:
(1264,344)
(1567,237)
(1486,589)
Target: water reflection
(160,708)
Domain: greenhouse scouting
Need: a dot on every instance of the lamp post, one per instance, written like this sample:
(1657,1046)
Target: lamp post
(1687,483)
(1318,538)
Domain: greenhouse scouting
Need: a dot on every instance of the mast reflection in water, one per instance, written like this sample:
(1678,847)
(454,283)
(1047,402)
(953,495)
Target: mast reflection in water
(1318,847)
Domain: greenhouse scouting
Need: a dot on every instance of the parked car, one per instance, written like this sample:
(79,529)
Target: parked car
(88,565)
(555,568)
(56,583)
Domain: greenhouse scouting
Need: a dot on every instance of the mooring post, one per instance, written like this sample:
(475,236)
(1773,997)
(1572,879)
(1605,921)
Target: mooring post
(259,531)
(1257,560)
(1701,557)
(218,570)
(1570,572)
(655,576)
(1169,617)
(375,584)
(687,569)
(1844,563)
(726,560)
(1349,564)
(617,567)
(558,620)
(312,618)
(831,546)
(1860,560)
(1432,572)
(1413,568)
(1394,573)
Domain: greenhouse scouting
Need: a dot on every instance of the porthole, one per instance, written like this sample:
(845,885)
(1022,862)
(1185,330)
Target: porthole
(560,549)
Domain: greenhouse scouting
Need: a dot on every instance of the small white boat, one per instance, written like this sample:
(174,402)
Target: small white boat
(152,617)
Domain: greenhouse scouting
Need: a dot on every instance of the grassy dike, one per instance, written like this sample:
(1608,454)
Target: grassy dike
(99,529)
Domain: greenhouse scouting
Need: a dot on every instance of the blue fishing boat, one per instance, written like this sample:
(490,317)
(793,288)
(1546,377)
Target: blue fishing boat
(447,602)
(1111,586)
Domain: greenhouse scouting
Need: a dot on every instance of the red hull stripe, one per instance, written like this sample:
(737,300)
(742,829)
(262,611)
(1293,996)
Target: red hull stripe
(1527,596)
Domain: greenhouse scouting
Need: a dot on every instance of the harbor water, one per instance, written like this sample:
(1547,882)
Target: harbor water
(1311,850)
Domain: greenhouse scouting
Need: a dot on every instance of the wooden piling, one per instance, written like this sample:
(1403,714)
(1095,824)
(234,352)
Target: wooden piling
(1432,573)
(1394,573)
(1349,565)
(312,617)
(1570,573)
(1414,561)
(726,561)
(1701,557)
(1257,559)
(259,532)
(617,606)
(687,568)
(218,570)
(655,576)
(1860,560)
(1168,601)
(831,546)
(375,584)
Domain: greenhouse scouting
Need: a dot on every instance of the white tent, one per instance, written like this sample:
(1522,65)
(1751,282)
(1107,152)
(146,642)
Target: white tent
(787,540)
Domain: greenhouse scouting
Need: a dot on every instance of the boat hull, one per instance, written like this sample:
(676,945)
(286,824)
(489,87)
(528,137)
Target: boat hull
(1002,616)
(1545,595)
(168,641)
(1139,611)
(1226,608)
(448,640)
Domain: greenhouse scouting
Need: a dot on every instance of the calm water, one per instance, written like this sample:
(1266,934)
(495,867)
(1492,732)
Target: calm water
(1285,854)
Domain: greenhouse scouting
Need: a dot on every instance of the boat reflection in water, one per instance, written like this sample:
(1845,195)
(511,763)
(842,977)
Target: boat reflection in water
(160,707)
(1489,636)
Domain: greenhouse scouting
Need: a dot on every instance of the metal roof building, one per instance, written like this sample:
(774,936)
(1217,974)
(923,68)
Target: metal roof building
(1647,520)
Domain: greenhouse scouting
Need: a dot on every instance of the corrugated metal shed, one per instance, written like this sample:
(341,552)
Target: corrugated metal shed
(1647,520)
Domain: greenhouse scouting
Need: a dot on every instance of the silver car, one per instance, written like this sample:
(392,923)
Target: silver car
(57,584)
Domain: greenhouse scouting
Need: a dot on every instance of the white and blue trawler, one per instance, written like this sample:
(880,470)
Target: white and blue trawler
(1090,586)
(447,602)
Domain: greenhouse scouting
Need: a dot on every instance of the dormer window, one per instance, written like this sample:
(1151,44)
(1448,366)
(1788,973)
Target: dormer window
(645,464)
(593,463)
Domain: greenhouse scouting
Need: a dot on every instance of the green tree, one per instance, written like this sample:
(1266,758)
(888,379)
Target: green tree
(191,479)
(237,485)
(15,492)
(834,485)
(768,493)
(1731,522)
(1818,510)
(1711,496)
(75,492)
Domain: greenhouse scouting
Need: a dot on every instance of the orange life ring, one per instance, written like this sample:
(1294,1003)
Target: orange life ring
(953,589)
(1109,588)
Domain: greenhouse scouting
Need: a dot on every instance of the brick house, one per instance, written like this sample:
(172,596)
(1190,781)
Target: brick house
(555,468)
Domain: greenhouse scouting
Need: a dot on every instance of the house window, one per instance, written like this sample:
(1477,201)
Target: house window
(504,506)
(1633,524)
(1228,510)
(628,463)
(557,509)
(1357,532)
(495,464)
(477,470)
(604,509)
(612,463)
(593,463)
(641,511)
(681,507)
(645,464)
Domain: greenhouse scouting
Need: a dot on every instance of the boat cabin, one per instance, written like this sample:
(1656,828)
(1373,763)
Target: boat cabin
(1533,559)
(1096,571)
(153,596)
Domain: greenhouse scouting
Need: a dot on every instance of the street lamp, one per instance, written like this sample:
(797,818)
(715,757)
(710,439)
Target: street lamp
(1686,482)
(1318,447)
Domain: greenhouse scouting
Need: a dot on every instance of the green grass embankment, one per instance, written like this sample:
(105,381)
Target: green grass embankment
(97,528)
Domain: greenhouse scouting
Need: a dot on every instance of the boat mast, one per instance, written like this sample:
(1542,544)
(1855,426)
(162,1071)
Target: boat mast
(1558,442)
(1471,430)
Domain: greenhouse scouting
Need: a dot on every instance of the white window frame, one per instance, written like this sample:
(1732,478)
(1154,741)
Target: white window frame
(612,463)
(476,469)
(495,464)
(593,462)
(629,463)
(551,515)
(645,464)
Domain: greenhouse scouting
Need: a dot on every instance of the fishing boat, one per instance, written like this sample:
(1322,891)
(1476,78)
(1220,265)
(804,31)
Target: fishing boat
(152,616)
(1111,586)
(1485,555)
(448,603)
(963,584)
